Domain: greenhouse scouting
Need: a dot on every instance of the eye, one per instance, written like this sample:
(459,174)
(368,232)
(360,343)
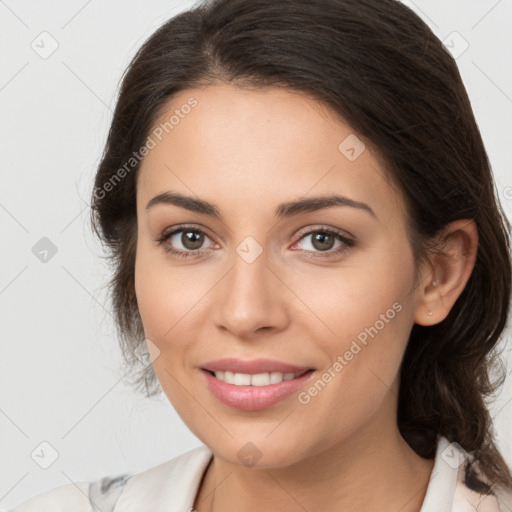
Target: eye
(191,239)
(323,240)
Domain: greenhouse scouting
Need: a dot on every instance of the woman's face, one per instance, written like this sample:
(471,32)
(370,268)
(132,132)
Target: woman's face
(265,280)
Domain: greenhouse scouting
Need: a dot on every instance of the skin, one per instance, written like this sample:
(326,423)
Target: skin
(247,151)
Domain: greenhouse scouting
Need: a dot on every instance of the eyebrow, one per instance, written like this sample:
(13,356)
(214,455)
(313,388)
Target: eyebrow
(288,209)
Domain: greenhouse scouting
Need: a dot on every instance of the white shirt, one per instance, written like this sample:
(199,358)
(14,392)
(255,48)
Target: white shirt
(172,487)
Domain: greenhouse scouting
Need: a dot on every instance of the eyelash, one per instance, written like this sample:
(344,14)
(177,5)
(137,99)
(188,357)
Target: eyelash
(348,243)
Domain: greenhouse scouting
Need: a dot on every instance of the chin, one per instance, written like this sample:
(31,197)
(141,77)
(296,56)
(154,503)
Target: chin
(257,452)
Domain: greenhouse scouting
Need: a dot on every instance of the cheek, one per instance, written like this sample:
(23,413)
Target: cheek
(159,298)
(149,293)
(168,298)
(372,289)
(162,313)
(365,359)
(368,312)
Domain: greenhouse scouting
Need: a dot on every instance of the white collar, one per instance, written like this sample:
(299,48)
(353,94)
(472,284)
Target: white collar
(173,485)
(168,487)
(443,479)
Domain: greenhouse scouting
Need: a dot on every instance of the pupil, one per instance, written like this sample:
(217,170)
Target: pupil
(192,240)
(323,244)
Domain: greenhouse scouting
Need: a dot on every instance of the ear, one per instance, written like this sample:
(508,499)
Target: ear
(451,266)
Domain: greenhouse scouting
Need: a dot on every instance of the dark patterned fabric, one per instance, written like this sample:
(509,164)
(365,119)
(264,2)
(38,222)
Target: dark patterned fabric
(103,494)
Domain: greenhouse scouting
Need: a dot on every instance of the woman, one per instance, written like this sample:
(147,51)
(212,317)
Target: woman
(310,260)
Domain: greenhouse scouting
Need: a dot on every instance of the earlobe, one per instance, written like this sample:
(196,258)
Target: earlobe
(451,268)
(430,312)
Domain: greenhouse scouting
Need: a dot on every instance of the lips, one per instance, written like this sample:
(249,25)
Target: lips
(253,366)
(256,396)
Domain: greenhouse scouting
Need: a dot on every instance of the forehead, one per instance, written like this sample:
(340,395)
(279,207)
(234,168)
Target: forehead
(271,145)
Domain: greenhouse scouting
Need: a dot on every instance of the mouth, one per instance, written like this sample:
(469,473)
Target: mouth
(254,390)
(253,366)
(255,379)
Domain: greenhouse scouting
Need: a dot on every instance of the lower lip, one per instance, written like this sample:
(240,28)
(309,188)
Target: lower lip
(254,398)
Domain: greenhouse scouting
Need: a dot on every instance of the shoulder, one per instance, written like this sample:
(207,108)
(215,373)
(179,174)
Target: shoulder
(66,497)
(102,495)
(173,484)
(481,497)
(457,484)
(474,492)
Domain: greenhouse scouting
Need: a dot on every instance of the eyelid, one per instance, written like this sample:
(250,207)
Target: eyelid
(323,227)
(181,227)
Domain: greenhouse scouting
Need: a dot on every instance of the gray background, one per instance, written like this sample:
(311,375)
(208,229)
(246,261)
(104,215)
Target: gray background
(60,381)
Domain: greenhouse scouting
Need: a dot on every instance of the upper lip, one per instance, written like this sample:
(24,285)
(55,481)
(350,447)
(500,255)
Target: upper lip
(252,366)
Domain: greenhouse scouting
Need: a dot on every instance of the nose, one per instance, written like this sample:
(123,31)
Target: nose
(252,298)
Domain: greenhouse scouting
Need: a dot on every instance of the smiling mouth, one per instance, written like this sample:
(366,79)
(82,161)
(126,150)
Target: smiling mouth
(255,379)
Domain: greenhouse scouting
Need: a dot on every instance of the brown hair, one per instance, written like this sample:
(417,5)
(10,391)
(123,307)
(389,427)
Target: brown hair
(379,66)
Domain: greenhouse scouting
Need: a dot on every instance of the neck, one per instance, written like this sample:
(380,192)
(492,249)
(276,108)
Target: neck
(372,469)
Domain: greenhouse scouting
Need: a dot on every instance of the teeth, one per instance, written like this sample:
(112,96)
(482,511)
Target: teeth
(257,379)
